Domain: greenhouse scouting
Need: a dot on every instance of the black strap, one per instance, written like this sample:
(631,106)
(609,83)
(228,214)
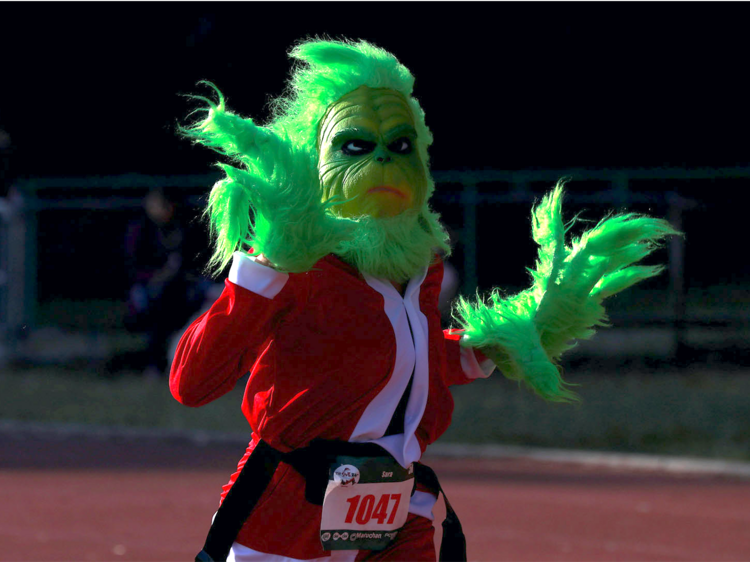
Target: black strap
(453,545)
(239,502)
(312,463)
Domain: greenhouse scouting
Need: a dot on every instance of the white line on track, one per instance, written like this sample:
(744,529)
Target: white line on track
(447,450)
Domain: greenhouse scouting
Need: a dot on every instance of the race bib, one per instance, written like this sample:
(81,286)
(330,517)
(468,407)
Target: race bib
(366,502)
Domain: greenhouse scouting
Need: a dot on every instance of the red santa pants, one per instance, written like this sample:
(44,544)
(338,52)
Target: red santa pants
(413,543)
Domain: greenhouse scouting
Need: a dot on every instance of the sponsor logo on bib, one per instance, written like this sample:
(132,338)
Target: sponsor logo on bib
(326,536)
(346,475)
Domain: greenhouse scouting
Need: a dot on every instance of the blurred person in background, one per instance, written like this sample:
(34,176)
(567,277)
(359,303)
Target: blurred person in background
(163,295)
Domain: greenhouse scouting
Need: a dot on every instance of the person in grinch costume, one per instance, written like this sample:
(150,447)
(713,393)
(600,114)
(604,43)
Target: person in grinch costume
(331,304)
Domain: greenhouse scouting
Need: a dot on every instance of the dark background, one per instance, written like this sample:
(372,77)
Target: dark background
(90,89)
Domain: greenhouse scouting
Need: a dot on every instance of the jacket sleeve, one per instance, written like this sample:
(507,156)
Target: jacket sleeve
(224,343)
(465,364)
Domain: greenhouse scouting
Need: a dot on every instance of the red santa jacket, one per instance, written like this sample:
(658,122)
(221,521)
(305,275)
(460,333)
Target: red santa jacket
(330,353)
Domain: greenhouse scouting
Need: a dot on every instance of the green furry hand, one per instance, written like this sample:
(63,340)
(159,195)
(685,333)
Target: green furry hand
(277,181)
(526,334)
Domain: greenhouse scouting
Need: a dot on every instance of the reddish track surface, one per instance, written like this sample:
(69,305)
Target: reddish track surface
(120,499)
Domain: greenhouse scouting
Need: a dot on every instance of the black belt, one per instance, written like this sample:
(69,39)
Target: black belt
(453,545)
(312,462)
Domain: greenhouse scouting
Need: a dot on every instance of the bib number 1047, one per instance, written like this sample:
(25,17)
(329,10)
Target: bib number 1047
(366,503)
(362,509)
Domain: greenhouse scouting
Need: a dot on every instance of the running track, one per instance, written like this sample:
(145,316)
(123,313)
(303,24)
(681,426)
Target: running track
(78,497)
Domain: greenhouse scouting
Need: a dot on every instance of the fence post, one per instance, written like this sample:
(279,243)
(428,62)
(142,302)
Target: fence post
(6,211)
(620,189)
(677,272)
(18,267)
(469,203)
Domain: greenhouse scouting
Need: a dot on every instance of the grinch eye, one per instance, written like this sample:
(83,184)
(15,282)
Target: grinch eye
(357,147)
(401,146)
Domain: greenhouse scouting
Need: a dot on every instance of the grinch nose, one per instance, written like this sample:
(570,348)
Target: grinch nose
(382,156)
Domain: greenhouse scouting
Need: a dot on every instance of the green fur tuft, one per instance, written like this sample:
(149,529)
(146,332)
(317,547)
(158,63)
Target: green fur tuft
(526,334)
(395,248)
(228,218)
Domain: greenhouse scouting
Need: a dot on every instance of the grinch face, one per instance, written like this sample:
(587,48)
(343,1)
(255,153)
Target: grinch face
(368,155)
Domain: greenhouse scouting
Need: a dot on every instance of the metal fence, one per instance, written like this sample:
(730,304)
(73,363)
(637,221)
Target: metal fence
(18,216)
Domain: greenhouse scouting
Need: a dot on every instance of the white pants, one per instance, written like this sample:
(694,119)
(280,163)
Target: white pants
(241,553)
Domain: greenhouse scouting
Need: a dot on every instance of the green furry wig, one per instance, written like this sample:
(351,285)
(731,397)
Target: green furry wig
(275,176)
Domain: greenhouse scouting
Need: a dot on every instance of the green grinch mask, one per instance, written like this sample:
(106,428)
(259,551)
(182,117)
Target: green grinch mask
(368,155)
